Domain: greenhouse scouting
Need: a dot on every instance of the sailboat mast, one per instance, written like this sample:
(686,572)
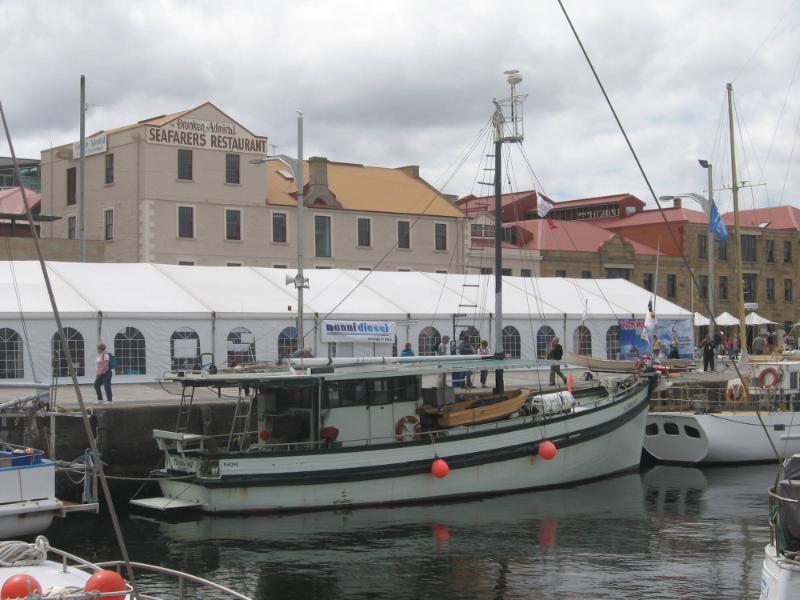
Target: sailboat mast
(499,385)
(300,282)
(736,233)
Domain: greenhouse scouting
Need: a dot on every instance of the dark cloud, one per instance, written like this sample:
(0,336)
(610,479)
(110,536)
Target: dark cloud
(411,82)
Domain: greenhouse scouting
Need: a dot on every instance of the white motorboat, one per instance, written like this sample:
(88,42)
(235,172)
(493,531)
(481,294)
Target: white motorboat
(35,570)
(731,431)
(28,500)
(780,572)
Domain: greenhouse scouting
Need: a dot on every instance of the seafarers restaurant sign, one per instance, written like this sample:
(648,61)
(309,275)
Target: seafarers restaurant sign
(358,331)
(208,135)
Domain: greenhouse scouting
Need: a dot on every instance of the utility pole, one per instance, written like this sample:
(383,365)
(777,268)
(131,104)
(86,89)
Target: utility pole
(711,239)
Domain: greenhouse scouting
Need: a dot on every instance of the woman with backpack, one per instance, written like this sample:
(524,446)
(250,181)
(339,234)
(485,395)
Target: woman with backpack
(104,372)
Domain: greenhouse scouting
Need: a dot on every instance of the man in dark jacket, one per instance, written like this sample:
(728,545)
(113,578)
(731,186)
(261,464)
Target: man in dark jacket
(556,353)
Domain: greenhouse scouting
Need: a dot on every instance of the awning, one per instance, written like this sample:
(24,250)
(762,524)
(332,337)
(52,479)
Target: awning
(756,319)
(700,320)
(726,319)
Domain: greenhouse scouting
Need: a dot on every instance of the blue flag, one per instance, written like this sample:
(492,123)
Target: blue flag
(715,223)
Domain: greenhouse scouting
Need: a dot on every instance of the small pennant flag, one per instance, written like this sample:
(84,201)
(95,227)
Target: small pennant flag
(551,224)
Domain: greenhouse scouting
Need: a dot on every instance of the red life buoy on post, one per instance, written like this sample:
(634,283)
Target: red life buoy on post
(775,378)
(407,429)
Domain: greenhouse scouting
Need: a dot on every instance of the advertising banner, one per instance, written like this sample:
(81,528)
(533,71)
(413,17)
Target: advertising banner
(632,346)
(358,331)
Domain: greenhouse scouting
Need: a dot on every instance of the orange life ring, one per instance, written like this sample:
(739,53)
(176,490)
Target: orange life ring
(735,394)
(403,433)
(776,377)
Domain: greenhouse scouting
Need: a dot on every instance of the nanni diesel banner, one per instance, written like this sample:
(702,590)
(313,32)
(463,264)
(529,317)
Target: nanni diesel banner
(358,331)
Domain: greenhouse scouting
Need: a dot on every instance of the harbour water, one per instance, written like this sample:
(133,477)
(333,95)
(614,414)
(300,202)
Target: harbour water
(666,532)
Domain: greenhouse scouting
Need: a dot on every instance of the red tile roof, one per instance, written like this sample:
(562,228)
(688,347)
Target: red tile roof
(778,217)
(598,200)
(652,217)
(575,236)
(486,203)
(11,200)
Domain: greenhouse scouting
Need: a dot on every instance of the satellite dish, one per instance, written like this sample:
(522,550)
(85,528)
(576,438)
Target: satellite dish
(512,76)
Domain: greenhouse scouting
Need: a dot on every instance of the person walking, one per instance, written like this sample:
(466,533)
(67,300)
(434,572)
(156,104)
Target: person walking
(407,350)
(103,373)
(483,350)
(466,348)
(556,353)
(709,349)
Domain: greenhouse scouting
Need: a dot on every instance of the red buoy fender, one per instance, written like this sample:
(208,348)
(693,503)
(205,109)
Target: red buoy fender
(403,429)
(735,394)
(775,378)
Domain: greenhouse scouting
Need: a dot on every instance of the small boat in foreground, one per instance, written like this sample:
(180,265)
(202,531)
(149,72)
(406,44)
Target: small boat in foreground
(29,572)
(602,365)
(481,409)
(780,571)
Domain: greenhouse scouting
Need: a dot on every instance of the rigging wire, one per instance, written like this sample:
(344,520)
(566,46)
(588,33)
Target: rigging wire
(764,41)
(655,198)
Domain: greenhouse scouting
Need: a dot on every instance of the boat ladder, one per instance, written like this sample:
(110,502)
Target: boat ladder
(241,420)
(185,409)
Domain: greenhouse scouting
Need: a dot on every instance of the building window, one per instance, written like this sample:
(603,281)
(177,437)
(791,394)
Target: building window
(233,224)
(560,273)
(671,285)
(109,169)
(233,264)
(769,250)
(612,342)
(582,340)
(184,349)
(486,271)
(749,284)
(617,273)
(72,182)
(429,339)
(185,221)
(787,290)
(770,289)
(108,224)
(404,234)
(440,236)
(364,233)
(702,246)
(586,274)
(241,347)
(723,287)
(231,168)
(322,235)
(441,271)
(60,362)
(648,282)
(787,252)
(72,227)
(186,263)
(505,272)
(526,272)
(11,357)
(544,337)
(703,286)
(279,228)
(749,248)
(722,250)
(184,164)
(287,342)
(129,348)
(512,342)
(280,266)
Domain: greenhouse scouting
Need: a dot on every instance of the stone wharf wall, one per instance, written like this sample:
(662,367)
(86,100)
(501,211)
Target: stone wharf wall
(124,436)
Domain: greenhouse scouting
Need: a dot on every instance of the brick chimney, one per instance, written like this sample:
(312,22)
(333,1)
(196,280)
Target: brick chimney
(317,190)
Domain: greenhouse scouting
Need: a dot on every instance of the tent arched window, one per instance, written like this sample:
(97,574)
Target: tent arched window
(512,342)
(473,334)
(429,339)
(75,344)
(241,346)
(544,336)
(612,342)
(129,348)
(582,340)
(11,362)
(184,349)
(288,343)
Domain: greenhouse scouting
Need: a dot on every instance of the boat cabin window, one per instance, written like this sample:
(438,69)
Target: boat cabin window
(371,392)
(692,432)
(671,429)
(651,429)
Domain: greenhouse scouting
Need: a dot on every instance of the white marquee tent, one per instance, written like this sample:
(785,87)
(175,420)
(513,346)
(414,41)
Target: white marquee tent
(158,317)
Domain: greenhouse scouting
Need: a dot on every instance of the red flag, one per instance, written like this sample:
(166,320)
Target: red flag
(551,224)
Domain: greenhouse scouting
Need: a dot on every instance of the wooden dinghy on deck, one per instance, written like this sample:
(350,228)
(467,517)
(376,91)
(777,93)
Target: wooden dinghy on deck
(601,364)
(482,409)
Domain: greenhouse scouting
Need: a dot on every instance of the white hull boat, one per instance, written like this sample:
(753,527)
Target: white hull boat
(732,432)
(375,462)
(780,571)
(28,501)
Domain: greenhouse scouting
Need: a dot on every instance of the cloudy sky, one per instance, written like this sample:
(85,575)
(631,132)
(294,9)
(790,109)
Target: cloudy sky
(396,82)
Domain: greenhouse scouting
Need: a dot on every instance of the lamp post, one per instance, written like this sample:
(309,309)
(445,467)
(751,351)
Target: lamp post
(706,204)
